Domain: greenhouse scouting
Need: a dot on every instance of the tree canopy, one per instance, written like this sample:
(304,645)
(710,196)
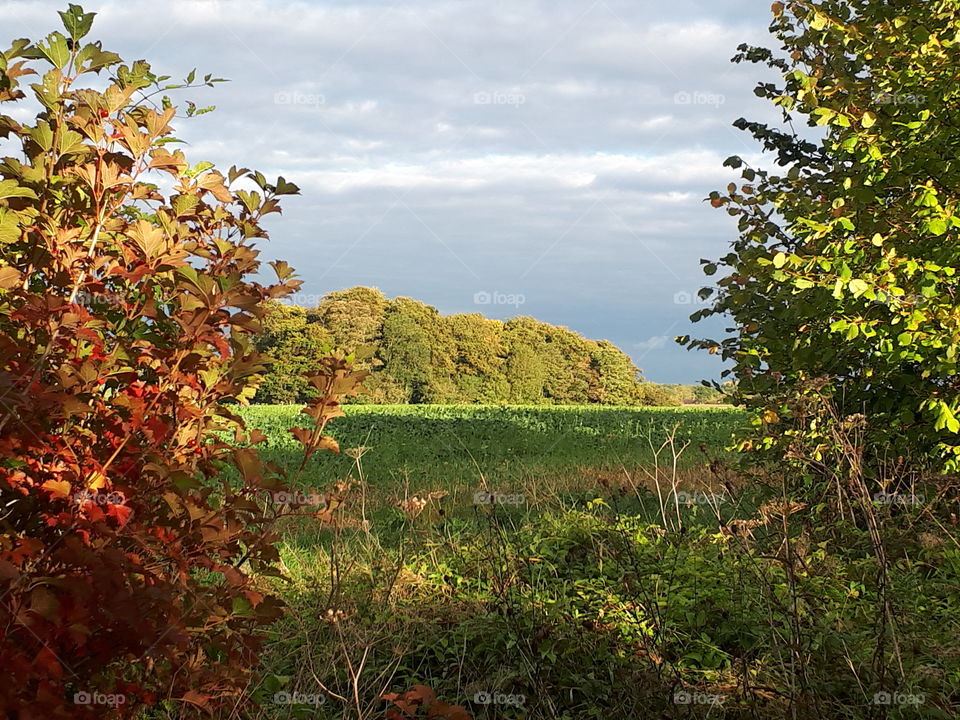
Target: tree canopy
(418,355)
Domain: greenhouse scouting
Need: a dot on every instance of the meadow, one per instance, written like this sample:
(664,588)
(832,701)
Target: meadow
(569,563)
(453,446)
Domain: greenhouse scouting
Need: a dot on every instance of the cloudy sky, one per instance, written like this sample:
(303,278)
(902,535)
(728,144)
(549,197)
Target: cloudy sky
(546,158)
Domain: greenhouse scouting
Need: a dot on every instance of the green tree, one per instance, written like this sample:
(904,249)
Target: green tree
(409,332)
(353,317)
(843,282)
(478,354)
(615,375)
(294,346)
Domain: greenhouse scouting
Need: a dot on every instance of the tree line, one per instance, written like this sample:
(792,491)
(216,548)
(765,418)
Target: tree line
(417,355)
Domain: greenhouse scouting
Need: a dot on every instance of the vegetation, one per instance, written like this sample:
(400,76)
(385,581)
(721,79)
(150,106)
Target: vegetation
(418,355)
(434,447)
(592,578)
(168,551)
(127,564)
(843,283)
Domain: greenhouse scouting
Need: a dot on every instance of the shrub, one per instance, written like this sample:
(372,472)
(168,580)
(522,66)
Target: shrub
(134,498)
(842,284)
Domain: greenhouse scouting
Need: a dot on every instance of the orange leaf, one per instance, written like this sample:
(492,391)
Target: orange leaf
(57,488)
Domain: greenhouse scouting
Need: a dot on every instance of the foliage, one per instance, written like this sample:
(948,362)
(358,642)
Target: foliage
(430,447)
(418,355)
(843,282)
(135,501)
(582,603)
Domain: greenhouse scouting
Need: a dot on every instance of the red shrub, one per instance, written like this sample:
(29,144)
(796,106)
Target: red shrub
(134,505)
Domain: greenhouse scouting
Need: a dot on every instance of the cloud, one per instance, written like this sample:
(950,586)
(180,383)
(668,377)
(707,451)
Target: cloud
(560,150)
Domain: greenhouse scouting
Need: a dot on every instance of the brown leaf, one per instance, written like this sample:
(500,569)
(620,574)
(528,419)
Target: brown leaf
(9,278)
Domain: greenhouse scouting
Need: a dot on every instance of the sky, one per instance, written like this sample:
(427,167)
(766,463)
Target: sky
(528,157)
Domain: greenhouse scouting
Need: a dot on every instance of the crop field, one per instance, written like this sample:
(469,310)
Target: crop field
(411,577)
(446,447)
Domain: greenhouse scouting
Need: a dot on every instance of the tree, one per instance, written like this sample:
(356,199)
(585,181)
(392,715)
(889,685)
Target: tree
(294,345)
(843,282)
(418,355)
(478,352)
(135,505)
(616,375)
(407,347)
(353,317)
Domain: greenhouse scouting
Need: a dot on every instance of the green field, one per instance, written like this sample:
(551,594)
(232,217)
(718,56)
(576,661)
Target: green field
(459,445)
(603,577)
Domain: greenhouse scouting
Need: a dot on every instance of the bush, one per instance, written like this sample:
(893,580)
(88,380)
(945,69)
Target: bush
(134,498)
(842,285)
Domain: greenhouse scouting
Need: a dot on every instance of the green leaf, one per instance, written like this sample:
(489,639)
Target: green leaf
(9,227)
(56,50)
(10,189)
(937,226)
(286,188)
(779,260)
(76,21)
(868,120)
(858,287)
(42,135)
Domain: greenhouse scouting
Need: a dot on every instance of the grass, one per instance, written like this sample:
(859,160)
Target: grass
(606,578)
(453,446)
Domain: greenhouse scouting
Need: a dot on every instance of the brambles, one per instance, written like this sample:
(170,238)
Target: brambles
(135,511)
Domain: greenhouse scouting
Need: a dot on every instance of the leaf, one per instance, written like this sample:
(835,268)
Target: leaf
(779,260)
(937,226)
(213,181)
(9,227)
(10,277)
(868,120)
(10,189)
(76,21)
(325,442)
(858,287)
(286,188)
(56,50)
(57,488)
(42,135)
(45,603)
